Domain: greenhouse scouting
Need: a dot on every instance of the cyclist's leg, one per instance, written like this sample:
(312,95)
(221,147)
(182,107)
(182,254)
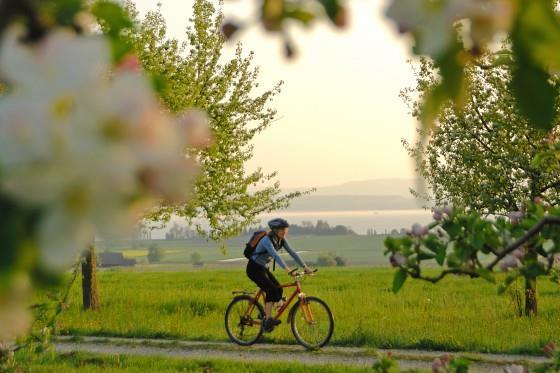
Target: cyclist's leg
(278,290)
(258,274)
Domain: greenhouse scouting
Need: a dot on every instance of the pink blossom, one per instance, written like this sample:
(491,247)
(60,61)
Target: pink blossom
(419,230)
(130,63)
(537,200)
(550,349)
(509,261)
(515,217)
(519,253)
(447,210)
(439,364)
(437,214)
(397,259)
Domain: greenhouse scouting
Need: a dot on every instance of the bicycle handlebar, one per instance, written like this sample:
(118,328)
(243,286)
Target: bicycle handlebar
(294,272)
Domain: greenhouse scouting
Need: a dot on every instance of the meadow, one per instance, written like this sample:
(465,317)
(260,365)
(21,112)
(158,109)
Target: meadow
(457,314)
(357,249)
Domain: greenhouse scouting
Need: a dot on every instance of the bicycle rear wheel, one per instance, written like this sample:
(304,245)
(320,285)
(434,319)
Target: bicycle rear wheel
(312,322)
(244,327)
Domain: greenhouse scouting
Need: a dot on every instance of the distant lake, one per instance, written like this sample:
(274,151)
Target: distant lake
(358,220)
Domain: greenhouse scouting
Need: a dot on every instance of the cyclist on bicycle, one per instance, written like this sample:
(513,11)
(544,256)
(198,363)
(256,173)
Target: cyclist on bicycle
(257,267)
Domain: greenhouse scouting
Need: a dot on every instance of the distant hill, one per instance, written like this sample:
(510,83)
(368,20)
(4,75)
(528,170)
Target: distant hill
(352,202)
(374,187)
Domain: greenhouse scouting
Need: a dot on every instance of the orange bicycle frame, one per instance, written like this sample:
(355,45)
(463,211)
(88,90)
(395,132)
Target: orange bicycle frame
(297,293)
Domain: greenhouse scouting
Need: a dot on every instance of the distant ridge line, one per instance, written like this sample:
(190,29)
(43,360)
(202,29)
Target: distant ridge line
(374,187)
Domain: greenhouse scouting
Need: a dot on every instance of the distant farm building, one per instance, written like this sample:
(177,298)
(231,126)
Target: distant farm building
(115,260)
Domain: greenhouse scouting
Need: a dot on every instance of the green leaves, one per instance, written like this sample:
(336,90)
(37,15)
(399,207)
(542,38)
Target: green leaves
(539,32)
(433,244)
(63,11)
(113,20)
(486,274)
(335,12)
(301,15)
(113,17)
(535,94)
(399,279)
(534,269)
(467,248)
(534,30)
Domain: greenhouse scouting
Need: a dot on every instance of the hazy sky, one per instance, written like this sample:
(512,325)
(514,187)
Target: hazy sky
(341,118)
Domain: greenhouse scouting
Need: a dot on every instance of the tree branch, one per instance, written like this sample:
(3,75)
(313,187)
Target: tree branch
(454,271)
(480,116)
(547,220)
(554,184)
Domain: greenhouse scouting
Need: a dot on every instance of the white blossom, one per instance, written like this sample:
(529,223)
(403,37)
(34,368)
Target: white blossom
(91,148)
(431,23)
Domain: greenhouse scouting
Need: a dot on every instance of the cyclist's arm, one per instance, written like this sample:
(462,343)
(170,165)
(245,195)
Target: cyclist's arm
(294,255)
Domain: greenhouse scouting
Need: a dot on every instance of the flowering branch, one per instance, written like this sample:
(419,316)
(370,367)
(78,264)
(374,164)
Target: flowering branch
(456,239)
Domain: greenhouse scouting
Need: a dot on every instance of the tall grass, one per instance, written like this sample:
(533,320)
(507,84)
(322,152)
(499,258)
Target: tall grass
(457,314)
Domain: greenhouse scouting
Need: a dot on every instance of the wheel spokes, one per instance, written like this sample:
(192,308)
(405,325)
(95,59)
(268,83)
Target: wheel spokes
(312,323)
(242,326)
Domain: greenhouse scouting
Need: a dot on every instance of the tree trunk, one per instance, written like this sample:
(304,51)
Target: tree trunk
(89,279)
(530,296)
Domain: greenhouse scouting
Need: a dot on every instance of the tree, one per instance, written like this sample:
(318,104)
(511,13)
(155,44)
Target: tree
(486,158)
(194,76)
(322,227)
(482,155)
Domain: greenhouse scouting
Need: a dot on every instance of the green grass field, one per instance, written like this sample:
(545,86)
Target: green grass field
(358,250)
(457,314)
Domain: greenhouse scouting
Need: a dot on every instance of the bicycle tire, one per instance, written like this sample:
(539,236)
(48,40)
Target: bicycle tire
(257,328)
(319,304)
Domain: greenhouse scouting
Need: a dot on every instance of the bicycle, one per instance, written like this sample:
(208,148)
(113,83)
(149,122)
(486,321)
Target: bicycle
(310,318)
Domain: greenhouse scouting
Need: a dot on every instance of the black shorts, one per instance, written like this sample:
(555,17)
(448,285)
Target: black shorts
(265,280)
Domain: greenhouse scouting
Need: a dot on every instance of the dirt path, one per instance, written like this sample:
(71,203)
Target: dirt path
(408,359)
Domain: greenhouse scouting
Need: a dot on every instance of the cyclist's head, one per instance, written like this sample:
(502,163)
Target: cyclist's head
(279,226)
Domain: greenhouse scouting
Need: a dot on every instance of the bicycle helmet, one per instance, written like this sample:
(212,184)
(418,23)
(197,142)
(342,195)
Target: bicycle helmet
(278,223)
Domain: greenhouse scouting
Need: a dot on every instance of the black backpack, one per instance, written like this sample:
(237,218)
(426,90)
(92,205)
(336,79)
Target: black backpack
(251,246)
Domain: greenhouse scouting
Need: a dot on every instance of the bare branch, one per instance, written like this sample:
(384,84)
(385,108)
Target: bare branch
(454,271)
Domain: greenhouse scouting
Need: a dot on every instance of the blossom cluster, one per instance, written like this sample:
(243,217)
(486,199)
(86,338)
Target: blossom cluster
(431,23)
(85,142)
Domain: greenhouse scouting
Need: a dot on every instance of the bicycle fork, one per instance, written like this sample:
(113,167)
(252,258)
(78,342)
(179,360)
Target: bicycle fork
(305,309)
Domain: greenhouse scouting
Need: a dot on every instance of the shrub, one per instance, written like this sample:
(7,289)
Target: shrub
(155,254)
(340,261)
(331,260)
(326,260)
(196,259)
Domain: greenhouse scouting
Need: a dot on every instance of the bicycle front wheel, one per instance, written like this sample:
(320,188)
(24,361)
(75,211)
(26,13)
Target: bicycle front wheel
(312,322)
(243,320)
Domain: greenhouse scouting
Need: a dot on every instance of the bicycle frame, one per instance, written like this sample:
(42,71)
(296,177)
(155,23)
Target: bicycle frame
(297,292)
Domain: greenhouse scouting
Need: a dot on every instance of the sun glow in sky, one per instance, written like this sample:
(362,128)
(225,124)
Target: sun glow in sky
(340,115)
